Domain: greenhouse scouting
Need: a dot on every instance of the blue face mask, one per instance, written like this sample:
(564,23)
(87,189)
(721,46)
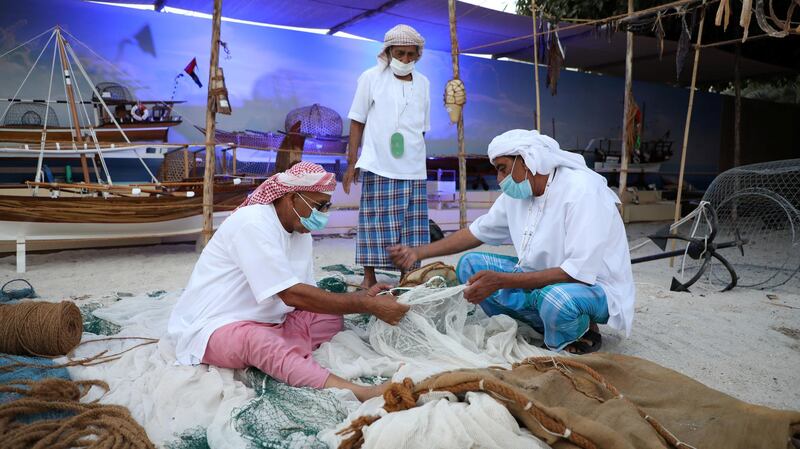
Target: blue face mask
(517,190)
(314,222)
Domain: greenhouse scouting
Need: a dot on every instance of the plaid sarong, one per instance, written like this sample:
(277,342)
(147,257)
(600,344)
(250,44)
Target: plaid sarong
(392,211)
(560,312)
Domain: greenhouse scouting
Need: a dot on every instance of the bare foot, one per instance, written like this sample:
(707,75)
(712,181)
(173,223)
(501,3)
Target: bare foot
(364,393)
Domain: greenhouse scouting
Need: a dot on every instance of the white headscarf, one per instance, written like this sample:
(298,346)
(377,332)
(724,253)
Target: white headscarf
(398,36)
(542,154)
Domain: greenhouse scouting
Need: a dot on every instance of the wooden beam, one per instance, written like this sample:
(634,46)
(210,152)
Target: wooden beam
(364,15)
(627,100)
(211,125)
(462,156)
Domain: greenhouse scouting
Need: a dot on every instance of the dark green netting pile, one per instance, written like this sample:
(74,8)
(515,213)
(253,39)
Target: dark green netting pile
(281,416)
(95,325)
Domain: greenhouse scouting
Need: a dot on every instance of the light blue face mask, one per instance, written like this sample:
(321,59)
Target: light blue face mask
(314,222)
(517,190)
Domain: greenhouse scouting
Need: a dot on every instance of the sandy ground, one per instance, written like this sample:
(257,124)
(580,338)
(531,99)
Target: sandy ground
(742,342)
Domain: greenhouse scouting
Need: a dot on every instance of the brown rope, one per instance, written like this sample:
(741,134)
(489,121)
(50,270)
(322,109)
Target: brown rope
(356,429)
(92,426)
(40,328)
(96,359)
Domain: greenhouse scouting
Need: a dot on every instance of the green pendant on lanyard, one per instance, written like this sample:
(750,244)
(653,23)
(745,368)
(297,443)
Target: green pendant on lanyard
(397,145)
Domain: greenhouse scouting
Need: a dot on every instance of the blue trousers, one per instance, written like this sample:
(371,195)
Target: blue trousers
(560,312)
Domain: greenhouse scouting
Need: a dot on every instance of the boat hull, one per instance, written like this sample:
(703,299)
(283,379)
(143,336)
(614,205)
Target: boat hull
(136,132)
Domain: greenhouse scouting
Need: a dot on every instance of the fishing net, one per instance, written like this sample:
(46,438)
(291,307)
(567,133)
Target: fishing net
(444,331)
(95,325)
(281,416)
(758,204)
(16,289)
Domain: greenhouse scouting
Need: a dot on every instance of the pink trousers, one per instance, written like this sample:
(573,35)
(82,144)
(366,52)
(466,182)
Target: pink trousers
(281,350)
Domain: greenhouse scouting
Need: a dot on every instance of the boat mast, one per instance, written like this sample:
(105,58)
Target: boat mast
(76,130)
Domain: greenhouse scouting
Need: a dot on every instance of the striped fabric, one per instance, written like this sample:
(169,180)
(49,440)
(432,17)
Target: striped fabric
(561,312)
(392,211)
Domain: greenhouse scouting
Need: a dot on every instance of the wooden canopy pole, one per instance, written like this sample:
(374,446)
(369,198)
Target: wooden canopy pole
(688,123)
(462,156)
(211,125)
(623,157)
(689,113)
(538,113)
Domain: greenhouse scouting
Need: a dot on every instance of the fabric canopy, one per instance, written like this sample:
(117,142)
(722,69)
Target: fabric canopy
(480,31)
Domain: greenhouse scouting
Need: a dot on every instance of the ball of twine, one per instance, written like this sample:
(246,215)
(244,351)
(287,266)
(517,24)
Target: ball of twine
(40,328)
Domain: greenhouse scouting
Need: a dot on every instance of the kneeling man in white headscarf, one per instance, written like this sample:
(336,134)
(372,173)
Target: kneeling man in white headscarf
(572,270)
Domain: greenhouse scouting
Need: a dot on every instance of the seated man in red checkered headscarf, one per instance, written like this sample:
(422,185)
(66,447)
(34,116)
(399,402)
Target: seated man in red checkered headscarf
(252,299)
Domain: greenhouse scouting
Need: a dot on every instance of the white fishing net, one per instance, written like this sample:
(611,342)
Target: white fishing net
(192,407)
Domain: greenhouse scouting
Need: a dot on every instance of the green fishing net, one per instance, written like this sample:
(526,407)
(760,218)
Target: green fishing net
(281,416)
(95,325)
(332,284)
(194,438)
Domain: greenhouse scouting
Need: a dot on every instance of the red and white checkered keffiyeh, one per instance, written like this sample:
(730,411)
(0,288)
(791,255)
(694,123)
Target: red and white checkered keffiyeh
(302,177)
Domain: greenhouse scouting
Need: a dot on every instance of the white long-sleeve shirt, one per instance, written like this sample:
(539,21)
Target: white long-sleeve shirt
(576,228)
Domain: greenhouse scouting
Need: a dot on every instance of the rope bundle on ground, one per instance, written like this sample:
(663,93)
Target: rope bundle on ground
(91,425)
(40,328)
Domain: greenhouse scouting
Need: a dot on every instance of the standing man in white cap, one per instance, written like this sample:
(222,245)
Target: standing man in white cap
(573,267)
(388,120)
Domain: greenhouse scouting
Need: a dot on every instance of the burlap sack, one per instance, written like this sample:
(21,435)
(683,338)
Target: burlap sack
(425,273)
(569,397)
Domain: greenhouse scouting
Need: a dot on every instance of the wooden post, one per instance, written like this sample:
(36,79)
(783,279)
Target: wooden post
(689,113)
(225,161)
(208,177)
(688,122)
(737,108)
(234,160)
(623,157)
(186,162)
(73,110)
(538,113)
(462,156)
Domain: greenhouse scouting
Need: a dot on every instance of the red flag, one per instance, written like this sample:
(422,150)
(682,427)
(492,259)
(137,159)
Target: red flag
(190,71)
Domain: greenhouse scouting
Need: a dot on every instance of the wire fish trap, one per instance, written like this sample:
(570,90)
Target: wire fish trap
(322,126)
(113,92)
(26,113)
(761,203)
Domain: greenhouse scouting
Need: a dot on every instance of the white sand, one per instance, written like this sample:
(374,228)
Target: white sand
(739,342)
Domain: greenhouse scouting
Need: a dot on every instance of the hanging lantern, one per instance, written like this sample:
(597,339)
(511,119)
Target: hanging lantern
(455,96)
(220,93)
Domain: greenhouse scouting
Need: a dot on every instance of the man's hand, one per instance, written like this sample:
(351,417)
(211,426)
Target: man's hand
(402,256)
(386,308)
(350,177)
(482,285)
(377,289)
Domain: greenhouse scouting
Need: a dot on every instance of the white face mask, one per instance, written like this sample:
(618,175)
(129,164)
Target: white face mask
(400,68)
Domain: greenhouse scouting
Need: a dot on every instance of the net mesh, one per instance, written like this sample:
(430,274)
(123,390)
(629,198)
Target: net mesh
(281,416)
(30,114)
(315,120)
(759,203)
(95,325)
